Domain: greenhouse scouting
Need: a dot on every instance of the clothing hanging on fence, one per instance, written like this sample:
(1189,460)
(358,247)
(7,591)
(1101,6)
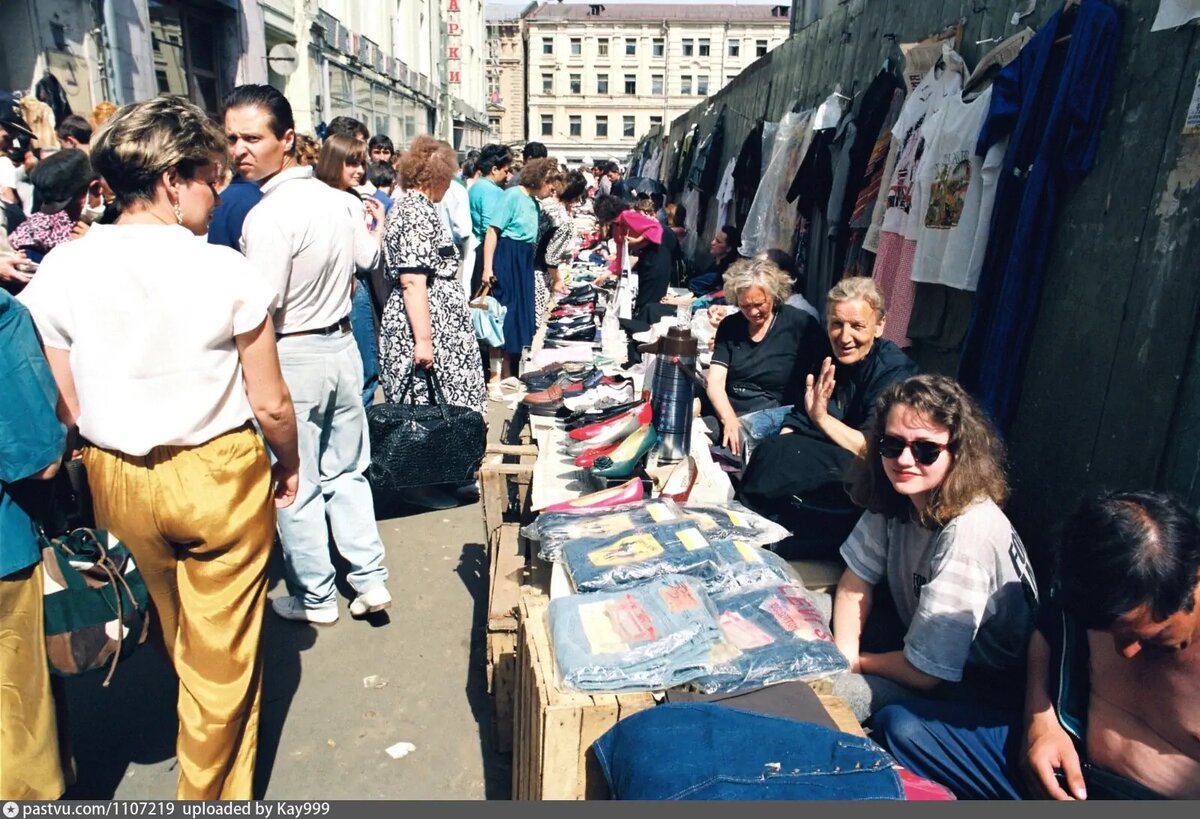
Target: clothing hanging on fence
(771,221)
(725,194)
(897,249)
(1050,102)
(747,168)
(705,173)
(683,161)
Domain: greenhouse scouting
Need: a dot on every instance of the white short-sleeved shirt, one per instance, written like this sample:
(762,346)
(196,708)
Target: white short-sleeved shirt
(965,592)
(149,314)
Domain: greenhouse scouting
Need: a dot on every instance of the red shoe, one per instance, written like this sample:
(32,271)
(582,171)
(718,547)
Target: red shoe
(629,492)
(644,414)
(676,482)
(589,456)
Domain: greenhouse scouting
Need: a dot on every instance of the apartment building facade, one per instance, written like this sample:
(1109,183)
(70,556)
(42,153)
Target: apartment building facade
(505,71)
(402,66)
(598,77)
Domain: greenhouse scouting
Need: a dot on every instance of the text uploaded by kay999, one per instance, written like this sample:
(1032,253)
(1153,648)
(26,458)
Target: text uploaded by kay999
(117,809)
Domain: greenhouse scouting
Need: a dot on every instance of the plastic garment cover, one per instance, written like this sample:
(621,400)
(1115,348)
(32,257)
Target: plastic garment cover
(759,425)
(705,544)
(779,635)
(553,530)
(657,635)
(771,221)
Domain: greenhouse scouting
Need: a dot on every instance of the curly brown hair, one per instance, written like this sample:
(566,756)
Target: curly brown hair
(976,472)
(535,172)
(428,164)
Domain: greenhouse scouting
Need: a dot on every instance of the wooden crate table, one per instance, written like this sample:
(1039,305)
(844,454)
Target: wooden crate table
(555,727)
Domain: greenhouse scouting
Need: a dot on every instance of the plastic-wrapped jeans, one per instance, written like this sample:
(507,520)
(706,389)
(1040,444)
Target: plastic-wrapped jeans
(656,635)
(780,635)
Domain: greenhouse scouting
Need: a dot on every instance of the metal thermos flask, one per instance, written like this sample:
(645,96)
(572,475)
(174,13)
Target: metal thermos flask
(672,391)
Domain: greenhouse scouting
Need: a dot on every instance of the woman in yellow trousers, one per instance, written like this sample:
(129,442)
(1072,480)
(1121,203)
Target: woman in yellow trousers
(164,355)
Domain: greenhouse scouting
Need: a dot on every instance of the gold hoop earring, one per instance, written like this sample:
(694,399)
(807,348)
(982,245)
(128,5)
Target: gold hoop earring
(178,214)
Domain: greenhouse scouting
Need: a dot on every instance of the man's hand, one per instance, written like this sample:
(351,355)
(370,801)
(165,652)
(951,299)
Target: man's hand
(375,214)
(818,391)
(287,483)
(80,229)
(9,271)
(1048,748)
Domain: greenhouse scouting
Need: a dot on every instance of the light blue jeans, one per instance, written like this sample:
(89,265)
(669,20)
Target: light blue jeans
(362,321)
(324,374)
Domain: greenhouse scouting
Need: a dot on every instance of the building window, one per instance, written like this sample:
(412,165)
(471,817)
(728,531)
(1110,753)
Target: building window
(547,124)
(186,55)
(576,84)
(685,84)
(689,47)
(602,47)
(702,86)
(627,126)
(547,83)
(705,47)
(494,124)
(760,47)
(547,45)
(655,121)
(656,85)
(601,83)
(601,126)
(576,46)
(658,46)
(630,46)
(735,48)
(576,125)
(630,83)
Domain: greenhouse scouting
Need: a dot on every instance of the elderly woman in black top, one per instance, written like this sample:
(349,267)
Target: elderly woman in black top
(763,350)
(806,462)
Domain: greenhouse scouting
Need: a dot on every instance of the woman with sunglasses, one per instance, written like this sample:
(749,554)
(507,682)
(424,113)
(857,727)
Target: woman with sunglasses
(932,481)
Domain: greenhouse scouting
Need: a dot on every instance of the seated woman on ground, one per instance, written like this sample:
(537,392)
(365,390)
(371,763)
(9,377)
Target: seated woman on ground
(762,351)
(799,472)
(723,248)
(932,481)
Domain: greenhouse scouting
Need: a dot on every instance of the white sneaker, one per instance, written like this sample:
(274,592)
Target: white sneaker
(375,598)
(610,393)
(292,608)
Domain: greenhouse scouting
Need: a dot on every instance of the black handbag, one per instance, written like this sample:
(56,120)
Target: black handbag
(424,444)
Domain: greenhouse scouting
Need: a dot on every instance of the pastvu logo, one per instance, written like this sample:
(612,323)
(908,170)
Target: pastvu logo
(11,809)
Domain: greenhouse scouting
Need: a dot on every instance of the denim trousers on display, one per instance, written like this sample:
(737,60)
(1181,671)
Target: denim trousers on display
(324,374)
(656,635)
(710,751)
(781,635)
(362,322)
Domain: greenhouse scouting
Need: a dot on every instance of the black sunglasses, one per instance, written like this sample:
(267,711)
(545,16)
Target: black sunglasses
(924,452)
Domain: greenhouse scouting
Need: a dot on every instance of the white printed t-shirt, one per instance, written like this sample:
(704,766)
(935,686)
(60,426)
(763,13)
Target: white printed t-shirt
(954,193)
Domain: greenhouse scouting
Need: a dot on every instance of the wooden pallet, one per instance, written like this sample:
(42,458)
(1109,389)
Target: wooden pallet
(555,727)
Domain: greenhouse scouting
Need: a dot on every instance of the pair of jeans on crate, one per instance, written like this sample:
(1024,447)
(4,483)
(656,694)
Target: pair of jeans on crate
(698,548)
(656,635)
(780,635)
(709,751)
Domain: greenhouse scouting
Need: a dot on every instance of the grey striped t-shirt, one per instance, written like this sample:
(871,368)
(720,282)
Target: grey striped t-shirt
(965,591)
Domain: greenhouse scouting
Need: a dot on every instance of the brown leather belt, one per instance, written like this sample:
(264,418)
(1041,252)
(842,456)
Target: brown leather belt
(343,326)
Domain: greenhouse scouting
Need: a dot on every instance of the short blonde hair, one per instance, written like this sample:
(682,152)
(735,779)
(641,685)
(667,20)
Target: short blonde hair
(102,113)
(142,140)
(856,288)
(747,273)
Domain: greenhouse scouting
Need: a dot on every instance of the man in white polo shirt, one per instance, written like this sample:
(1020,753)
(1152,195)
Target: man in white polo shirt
(301,238)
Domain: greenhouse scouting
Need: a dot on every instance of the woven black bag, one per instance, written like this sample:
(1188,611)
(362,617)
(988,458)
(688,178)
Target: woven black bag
(424,444)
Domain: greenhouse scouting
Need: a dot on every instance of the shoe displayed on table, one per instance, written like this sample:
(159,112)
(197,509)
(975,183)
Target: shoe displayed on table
(293,608)
(621,462)
(628,492)
(611,393)
(373,599)
(549,400)
(594,415)
(541,380)
(615,428)
(579,295)
(589,456)
(580,334)
(676,482)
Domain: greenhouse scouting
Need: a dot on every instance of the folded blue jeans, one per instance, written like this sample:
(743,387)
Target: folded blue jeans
(656,635)
(710,751)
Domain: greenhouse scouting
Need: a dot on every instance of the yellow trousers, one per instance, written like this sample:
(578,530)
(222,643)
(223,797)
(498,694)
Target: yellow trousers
(200,521)
(30,767)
